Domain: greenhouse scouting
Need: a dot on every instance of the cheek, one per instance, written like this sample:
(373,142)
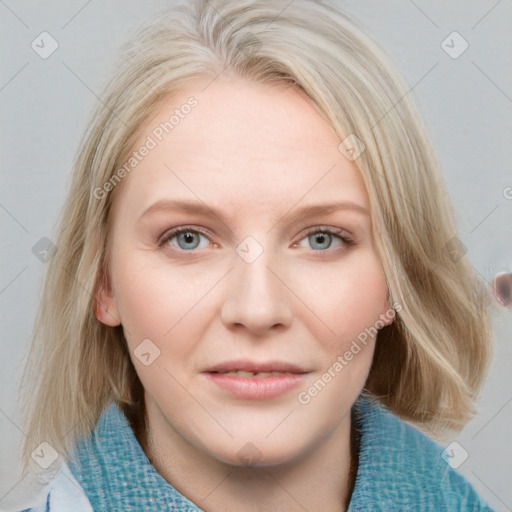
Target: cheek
(155,304)
(146,298)
(159,301)
(344,300)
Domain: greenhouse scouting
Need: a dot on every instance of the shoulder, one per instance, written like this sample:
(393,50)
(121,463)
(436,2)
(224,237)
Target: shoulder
(62,494)
(400,468)
(69,485)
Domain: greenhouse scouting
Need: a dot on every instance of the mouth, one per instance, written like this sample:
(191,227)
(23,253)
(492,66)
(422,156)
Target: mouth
(255,368)
(256,375)
(255,380)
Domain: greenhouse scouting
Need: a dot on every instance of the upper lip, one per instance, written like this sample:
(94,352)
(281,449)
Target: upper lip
(255,366)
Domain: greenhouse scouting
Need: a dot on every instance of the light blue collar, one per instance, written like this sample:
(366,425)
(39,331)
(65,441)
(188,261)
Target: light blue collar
(400,469)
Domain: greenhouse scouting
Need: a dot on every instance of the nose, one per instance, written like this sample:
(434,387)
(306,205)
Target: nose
(255,297)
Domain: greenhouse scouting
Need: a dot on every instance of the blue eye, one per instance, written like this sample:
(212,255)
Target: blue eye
(321,239)
(186,239)
(324,239)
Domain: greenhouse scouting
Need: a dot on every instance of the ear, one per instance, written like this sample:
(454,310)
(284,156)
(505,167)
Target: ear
(106,307)
(388,313)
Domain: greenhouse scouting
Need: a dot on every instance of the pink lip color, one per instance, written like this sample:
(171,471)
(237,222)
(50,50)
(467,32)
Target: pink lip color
(256,388)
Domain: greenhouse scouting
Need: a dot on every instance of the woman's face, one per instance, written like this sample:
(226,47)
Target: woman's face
(248,172)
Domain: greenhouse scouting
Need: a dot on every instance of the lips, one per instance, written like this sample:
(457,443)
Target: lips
(255,380)
(257,375)
(255,367)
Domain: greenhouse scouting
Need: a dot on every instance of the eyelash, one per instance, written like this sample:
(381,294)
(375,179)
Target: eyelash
(341,234)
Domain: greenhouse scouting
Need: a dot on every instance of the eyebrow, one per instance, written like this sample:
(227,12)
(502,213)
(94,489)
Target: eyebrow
(306,212)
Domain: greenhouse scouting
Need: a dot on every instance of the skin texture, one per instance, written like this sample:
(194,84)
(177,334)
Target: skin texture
(256,154)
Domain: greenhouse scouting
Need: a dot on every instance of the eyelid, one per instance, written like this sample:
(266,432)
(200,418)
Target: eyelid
(345,237)
(172,232)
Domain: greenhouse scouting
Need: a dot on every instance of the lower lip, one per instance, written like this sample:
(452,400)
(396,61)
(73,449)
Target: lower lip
(256,388)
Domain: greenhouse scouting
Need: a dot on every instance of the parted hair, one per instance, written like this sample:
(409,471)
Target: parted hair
(429,364)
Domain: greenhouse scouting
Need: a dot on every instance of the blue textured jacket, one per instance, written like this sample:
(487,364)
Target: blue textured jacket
(400,470)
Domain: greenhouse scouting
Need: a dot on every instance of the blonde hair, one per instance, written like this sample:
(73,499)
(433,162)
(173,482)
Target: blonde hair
(429,364)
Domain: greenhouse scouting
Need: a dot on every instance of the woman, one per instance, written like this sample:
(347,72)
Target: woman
(257,289)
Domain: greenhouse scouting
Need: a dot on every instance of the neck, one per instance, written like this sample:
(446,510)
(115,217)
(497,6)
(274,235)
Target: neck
(324,478)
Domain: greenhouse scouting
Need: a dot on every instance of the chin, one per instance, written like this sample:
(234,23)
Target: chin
(256,454)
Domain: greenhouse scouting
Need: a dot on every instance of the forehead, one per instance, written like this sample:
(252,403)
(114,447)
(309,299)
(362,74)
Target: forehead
(242,144)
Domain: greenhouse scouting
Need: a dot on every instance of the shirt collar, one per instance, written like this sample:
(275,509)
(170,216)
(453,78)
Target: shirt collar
(115,472)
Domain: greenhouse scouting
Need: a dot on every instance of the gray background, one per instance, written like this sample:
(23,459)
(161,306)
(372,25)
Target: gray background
(466,103)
